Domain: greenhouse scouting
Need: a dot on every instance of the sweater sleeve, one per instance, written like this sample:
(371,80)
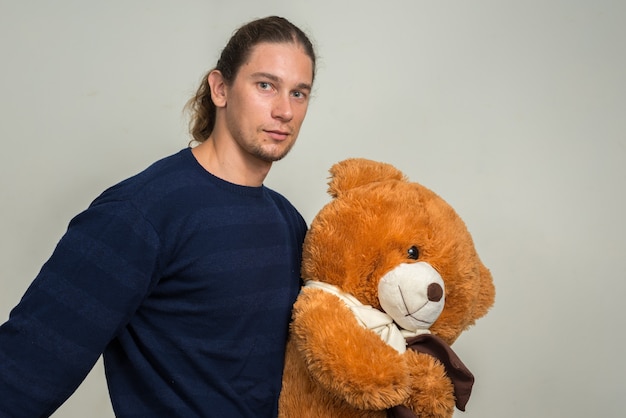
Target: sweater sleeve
(96,278)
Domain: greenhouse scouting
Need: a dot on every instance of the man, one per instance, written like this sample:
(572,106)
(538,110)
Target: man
(184,274)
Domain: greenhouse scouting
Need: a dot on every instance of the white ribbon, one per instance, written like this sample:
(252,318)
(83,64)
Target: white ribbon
(370,317)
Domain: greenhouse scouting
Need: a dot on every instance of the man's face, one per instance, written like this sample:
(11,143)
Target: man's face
(268,99)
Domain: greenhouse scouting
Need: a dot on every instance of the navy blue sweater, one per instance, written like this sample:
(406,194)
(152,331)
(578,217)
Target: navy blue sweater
(184,281)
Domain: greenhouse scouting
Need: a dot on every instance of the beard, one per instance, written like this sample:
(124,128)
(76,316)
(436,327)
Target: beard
(265,151)
(269,153)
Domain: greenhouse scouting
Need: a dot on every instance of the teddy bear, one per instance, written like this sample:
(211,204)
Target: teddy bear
(391,279)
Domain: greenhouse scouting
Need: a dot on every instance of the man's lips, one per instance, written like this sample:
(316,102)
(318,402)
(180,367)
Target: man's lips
(277,134)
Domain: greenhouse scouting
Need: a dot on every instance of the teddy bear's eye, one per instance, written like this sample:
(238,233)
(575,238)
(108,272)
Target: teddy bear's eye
(413,253)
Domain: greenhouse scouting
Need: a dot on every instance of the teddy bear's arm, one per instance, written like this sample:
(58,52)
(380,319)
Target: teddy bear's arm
(432,393)
(346,359)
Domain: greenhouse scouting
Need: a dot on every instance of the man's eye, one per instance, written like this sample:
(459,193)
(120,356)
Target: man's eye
(300,95)
(263,85)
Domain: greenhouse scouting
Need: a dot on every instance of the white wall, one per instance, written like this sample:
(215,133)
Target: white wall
(512,111)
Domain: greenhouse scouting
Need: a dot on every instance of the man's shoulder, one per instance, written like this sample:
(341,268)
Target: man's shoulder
(153,182)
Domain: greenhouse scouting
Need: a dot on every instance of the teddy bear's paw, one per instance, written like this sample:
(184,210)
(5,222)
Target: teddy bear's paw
(429,406)
(433,392)
(436,410)
(379,398)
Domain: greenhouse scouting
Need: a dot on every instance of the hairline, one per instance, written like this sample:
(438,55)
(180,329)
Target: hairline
(293,41)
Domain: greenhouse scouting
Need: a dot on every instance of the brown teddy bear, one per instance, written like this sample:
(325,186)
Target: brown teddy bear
(392,278)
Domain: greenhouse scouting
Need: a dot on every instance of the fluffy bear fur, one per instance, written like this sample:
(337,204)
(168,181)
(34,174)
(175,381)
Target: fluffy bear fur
(334,366)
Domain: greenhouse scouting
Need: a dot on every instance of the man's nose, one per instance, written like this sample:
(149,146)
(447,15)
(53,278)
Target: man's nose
(282,108)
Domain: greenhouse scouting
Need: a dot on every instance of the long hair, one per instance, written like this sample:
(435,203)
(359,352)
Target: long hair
(272,29)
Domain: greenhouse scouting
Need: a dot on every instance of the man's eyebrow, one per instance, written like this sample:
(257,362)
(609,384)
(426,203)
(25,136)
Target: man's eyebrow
(305,86)
(276,79)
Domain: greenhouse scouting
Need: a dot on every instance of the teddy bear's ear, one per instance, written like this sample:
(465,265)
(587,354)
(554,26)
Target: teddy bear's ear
(355,172)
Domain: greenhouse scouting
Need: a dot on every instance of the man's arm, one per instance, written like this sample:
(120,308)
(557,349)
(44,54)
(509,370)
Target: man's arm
(94,281)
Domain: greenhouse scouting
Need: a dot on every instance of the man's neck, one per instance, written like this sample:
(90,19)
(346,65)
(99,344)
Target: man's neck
(228,163)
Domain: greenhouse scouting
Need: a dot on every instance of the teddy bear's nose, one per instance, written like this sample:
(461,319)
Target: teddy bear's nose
(435,292)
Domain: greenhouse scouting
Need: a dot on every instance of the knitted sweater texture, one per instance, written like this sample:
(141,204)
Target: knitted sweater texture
(184,281)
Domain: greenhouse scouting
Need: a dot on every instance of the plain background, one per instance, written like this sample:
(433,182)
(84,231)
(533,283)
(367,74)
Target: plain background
(514,112)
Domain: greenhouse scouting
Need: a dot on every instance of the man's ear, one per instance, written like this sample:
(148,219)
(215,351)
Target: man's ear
(218,88)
